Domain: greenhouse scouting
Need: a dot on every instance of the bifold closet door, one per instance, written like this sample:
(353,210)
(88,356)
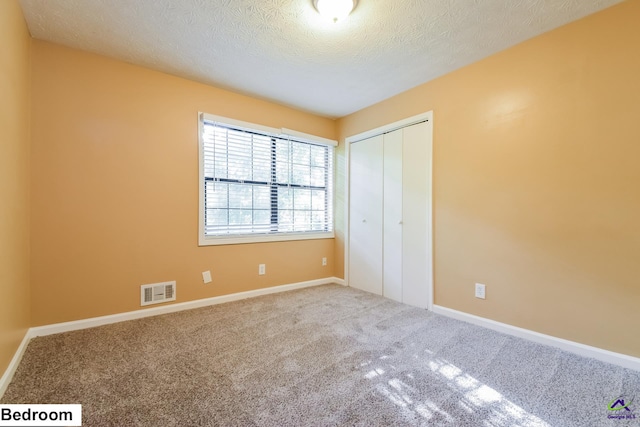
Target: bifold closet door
(392,216)
(416,194)
(365,216)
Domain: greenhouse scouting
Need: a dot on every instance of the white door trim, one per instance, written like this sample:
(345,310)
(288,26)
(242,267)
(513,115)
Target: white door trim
(424,117)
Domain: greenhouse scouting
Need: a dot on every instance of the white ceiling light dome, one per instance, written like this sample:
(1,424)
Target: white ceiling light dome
(334,10)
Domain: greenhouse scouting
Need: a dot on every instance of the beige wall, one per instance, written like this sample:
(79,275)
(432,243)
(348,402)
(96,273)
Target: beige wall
(14,179)
(536,181)
(115,189)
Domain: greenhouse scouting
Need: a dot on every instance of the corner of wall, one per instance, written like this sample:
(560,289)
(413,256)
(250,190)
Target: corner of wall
(15,77)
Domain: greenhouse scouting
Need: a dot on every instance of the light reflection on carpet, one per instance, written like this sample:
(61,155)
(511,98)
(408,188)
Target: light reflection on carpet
(473,395)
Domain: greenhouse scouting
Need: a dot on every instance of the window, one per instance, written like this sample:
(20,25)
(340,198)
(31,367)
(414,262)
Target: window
(261,184)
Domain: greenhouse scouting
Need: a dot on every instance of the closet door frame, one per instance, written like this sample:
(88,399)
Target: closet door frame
(428,138)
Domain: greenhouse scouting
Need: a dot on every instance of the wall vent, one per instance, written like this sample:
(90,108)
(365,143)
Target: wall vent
(157,292)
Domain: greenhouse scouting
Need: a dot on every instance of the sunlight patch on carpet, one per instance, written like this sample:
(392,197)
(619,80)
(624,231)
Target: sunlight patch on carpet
(479,395)
(468,395)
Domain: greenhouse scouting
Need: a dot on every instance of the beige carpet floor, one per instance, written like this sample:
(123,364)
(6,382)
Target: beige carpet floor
(321,356)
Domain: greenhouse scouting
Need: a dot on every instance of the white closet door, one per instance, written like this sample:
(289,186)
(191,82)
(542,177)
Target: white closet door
(365,216)
(415,197)
(392,219)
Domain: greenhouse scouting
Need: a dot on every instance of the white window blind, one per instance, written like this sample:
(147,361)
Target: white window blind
(256,183)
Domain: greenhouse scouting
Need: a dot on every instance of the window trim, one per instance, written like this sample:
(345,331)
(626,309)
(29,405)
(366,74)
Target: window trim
(204,240)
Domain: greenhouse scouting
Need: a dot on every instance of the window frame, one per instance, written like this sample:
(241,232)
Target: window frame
(283,133)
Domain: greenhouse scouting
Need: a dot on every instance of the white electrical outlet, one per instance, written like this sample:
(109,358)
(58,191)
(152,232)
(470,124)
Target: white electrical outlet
(206,276)
(480,291)
(262,269)
(324,261)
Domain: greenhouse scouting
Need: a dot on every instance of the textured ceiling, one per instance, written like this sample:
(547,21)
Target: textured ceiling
(283,51)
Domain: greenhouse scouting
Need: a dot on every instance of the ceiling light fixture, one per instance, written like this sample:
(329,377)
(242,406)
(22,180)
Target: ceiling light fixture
(334,10)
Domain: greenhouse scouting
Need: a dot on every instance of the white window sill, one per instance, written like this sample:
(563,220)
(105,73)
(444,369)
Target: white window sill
(238,240)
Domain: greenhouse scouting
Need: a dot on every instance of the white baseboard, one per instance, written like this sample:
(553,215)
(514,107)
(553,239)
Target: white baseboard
(57,328)
(13,365)
(607,356)
(619,359)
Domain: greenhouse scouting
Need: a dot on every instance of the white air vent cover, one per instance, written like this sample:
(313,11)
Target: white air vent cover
(157,292)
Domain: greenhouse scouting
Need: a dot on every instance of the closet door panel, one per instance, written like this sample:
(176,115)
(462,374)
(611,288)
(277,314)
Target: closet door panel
(365,217)
(415,190)
(392,216)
